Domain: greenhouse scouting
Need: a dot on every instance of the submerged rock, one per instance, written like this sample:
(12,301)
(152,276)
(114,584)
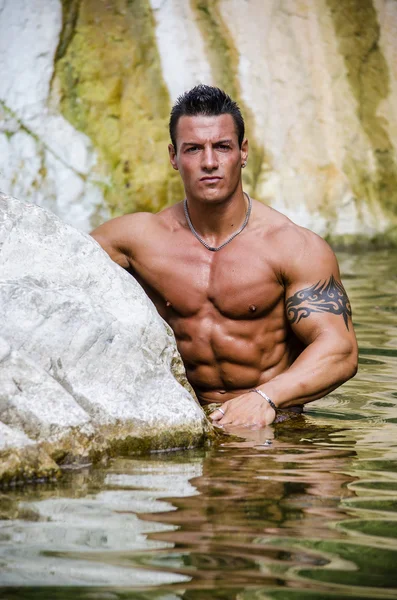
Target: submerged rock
(86,362)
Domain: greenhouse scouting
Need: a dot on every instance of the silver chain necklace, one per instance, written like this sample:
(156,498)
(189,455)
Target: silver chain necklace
(212,248)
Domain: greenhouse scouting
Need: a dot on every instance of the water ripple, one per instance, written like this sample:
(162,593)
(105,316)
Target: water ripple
(303,510)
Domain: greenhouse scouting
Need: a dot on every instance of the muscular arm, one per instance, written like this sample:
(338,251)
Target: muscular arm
(319,313)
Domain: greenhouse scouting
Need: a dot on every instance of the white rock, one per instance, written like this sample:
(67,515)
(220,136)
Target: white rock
(181,70)
(33,401)
(12,438)
(43,158)
(88,347)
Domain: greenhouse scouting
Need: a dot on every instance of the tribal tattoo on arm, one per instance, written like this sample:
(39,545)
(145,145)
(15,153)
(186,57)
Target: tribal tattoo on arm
(328,296)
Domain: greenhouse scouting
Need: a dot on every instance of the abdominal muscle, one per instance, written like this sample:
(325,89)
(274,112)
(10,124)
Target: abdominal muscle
(225,358)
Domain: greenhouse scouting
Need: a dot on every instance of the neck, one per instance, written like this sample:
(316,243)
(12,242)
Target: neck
(215,221)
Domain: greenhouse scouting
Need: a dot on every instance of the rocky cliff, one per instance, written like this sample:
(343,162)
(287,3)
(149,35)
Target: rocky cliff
(87,86)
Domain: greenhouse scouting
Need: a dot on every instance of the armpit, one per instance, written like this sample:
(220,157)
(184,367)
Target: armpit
(327,296)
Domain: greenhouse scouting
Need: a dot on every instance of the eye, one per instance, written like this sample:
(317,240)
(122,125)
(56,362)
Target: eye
(224,147)
(192,149)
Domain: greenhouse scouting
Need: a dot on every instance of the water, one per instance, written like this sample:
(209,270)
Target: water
(305,510)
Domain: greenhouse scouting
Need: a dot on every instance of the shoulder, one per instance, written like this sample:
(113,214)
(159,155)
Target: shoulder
(122,225)
(128,232)
(296,251)
(129,227)
(307,259)
(120,232)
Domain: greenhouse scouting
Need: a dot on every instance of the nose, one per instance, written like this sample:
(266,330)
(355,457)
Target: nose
(210,160)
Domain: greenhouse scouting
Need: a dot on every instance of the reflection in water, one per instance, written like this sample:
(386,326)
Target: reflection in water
(306,509)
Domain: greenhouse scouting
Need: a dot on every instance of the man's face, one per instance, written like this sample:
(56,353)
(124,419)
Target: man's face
(208,156)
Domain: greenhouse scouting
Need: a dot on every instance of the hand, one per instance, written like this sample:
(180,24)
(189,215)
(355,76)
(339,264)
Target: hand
(247,410)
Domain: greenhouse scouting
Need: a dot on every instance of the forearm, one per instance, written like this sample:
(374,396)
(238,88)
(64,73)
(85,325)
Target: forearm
(320,368)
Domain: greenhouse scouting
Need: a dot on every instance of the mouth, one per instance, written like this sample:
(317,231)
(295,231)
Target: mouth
(210,179)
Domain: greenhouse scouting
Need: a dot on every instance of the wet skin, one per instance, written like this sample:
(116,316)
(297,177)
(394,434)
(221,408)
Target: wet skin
(228,308)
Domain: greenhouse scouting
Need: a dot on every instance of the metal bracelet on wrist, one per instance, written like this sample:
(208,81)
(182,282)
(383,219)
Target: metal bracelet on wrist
(266,397)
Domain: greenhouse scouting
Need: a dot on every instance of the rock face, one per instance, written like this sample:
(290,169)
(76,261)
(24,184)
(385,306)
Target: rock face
(85,359)
(44,159)
(318,82)
(87,86)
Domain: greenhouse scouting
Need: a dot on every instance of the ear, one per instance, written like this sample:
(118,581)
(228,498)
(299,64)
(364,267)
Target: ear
(244,151)
(173,159)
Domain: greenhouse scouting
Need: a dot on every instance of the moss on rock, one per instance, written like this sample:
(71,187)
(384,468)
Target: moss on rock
(21,465)
(109,75)
(70,12)
(357,30)
(130,440)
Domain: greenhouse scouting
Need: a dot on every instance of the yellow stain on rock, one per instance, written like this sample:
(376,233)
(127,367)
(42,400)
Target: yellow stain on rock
(111,87)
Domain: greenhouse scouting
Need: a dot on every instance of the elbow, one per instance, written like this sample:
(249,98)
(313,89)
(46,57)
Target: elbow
(350,364)
(352,369)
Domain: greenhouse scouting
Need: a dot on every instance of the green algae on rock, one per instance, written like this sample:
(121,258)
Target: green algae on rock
(358,32)
(45,460)
(111,88)
(127,439)
(20,465)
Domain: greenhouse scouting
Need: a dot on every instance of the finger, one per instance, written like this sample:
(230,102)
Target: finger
(217,415)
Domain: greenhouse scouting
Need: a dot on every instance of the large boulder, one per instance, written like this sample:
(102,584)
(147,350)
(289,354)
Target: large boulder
(86,363)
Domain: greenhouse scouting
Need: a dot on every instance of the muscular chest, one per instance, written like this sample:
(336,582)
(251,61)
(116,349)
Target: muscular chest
(237,282)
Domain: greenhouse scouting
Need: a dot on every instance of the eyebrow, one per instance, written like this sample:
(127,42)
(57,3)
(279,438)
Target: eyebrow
(227,141)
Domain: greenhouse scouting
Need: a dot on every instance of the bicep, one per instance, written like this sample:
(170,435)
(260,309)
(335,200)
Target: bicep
(323,305)
(316,302)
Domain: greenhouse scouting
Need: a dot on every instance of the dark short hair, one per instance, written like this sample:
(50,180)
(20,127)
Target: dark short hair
(209,101)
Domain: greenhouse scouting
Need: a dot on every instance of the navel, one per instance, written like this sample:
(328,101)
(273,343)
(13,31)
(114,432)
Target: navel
(252,308)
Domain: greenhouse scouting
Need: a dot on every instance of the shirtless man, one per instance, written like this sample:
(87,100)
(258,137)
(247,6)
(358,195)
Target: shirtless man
(259,313)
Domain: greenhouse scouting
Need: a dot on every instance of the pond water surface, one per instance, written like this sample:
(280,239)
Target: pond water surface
(305,509)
